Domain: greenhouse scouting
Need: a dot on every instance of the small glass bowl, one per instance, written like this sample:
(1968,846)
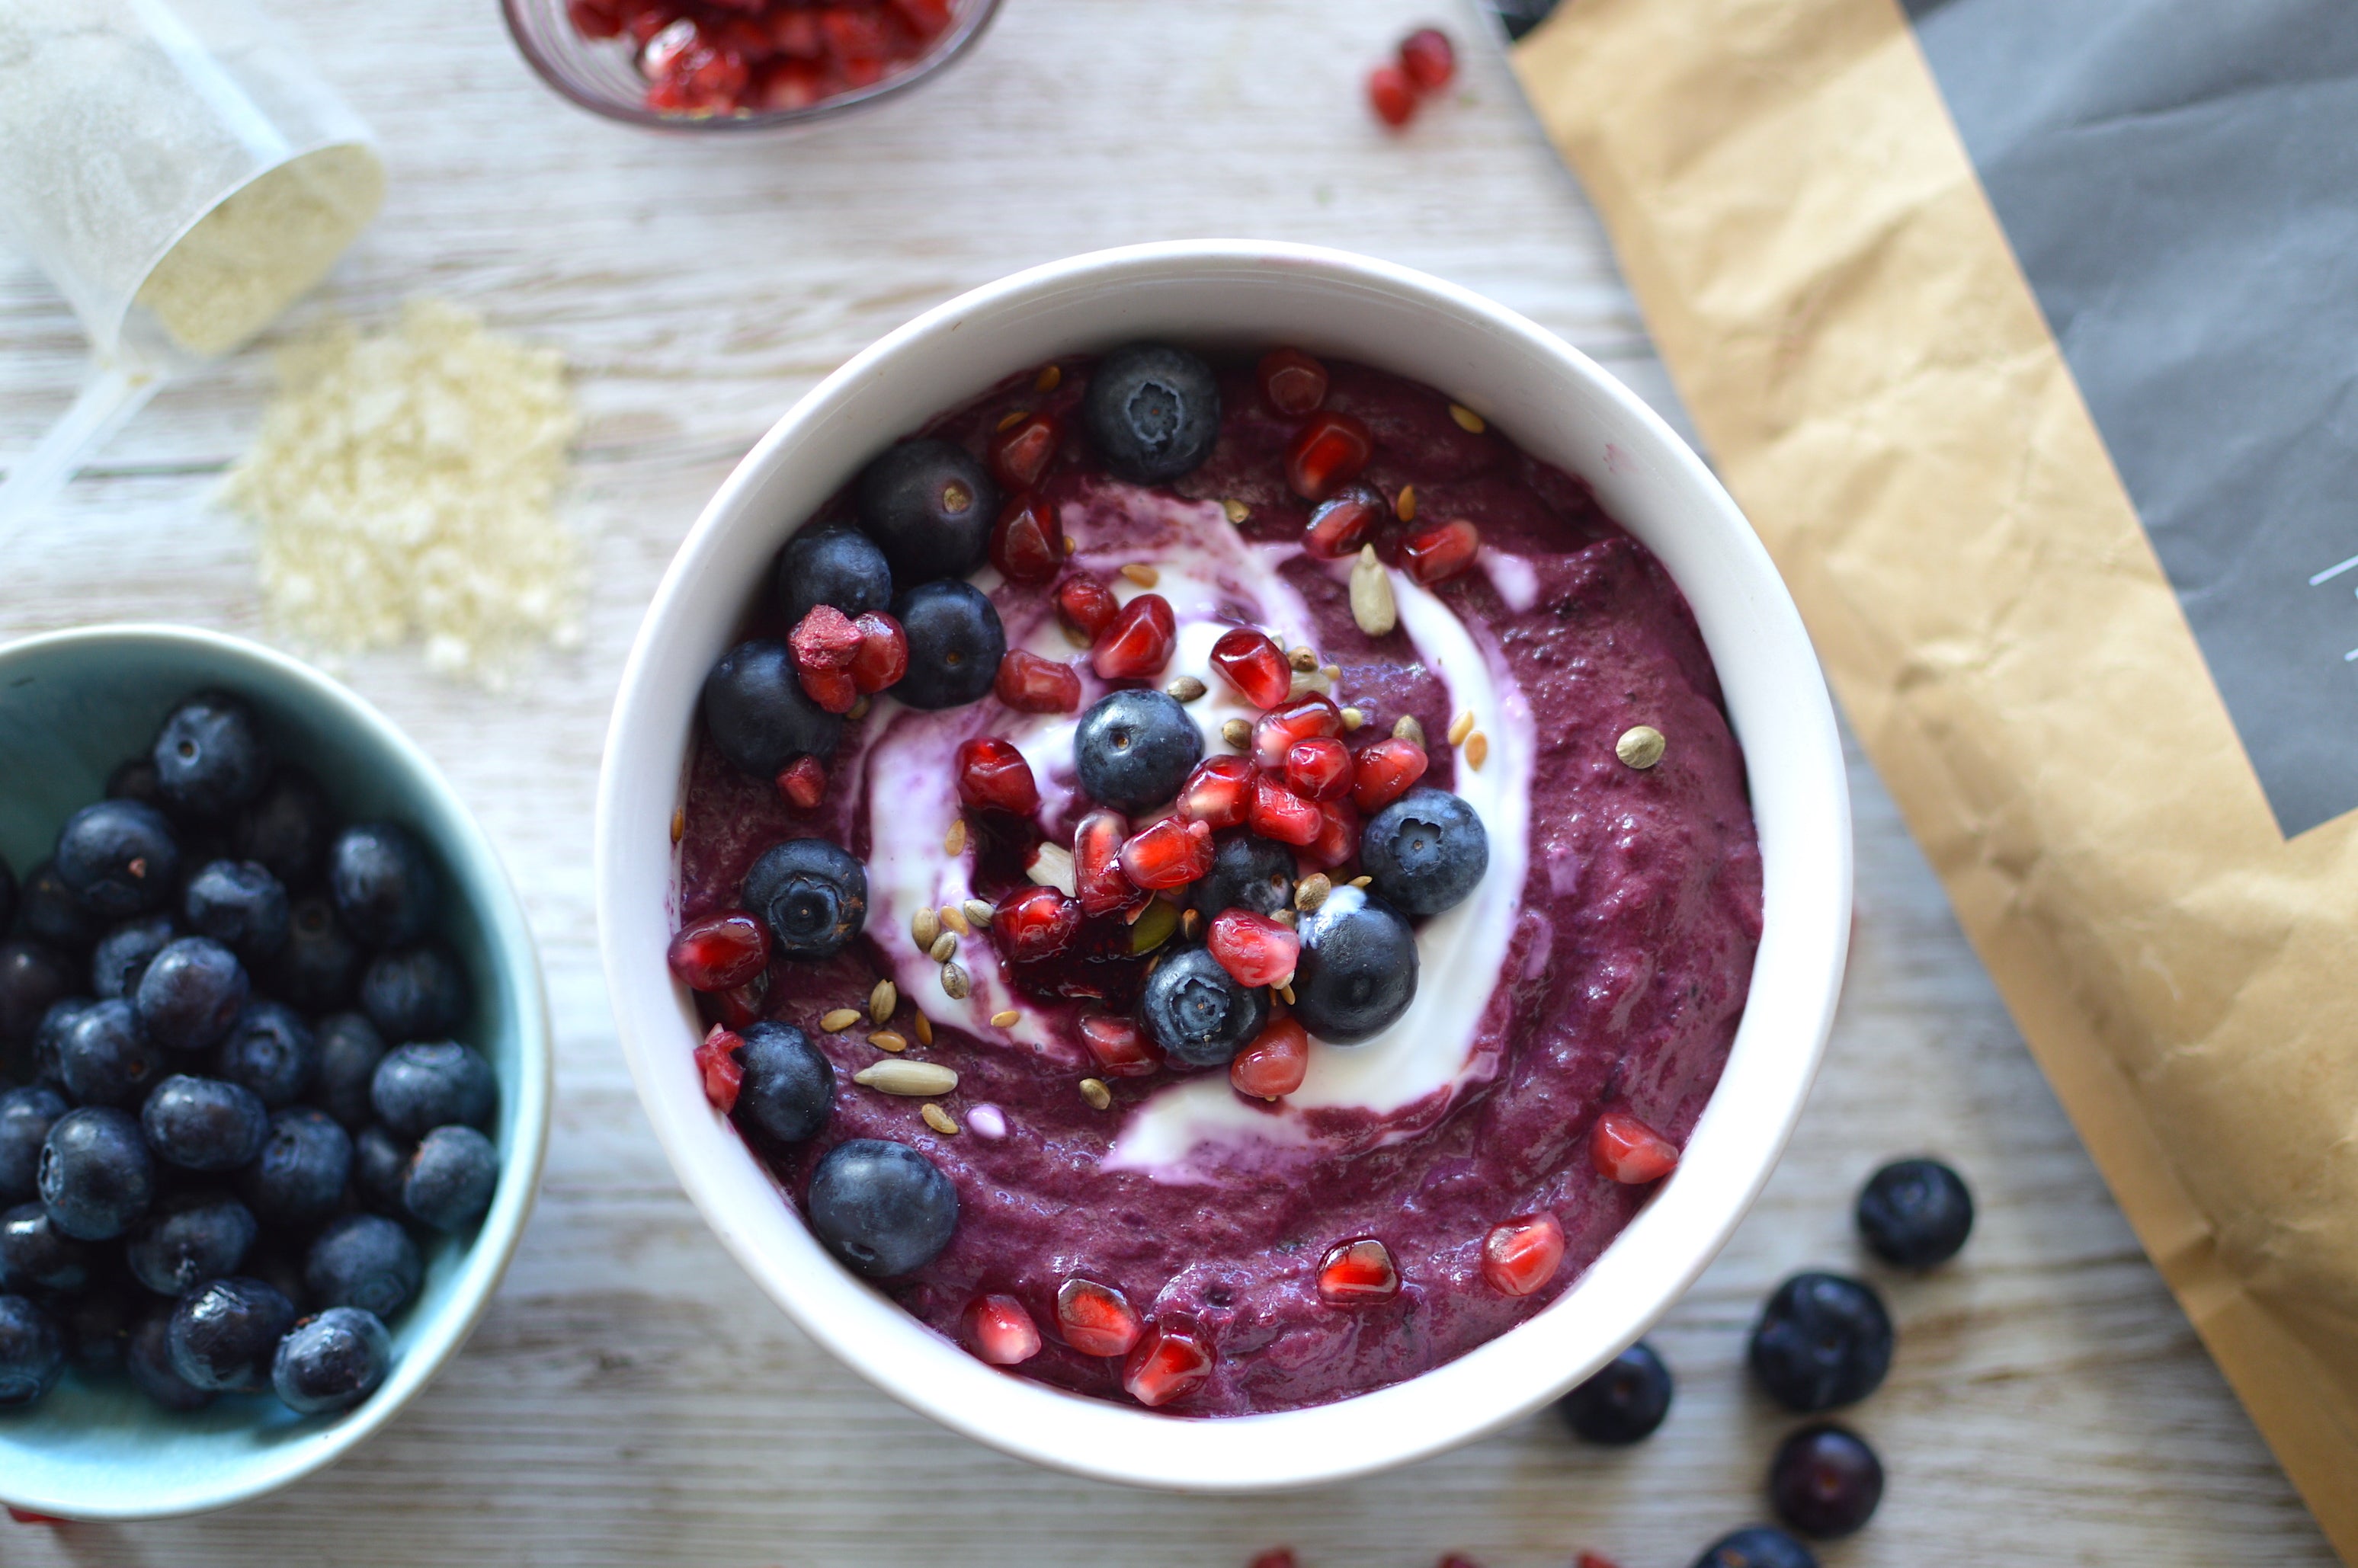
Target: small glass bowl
(600,75)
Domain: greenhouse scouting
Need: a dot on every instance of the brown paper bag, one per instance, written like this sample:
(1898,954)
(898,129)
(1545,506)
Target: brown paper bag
(2137,801)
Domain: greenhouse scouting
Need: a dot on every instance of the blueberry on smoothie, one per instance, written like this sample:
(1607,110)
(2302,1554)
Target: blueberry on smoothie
(224,1334)
(96,1175)
(204,1124)
(883,1209)
(271,1051)
(123,954)
(757,714)
(331,1362)
(1249,871)
(26,1115)
(1623,1402)
(1823,1340)
(955,644)
(1757,1546)
(48,911)
(929,507)
(788,1091)
(1197,1013)
(385,887)
(103,1058)
(1133,748)
(1154,412)
(34,1255)
(421,1086)
(414,994)
(1426,851)
(1915,1212)
(192,993)
(315,969)
(210,757)
(812,894)
(350,1050)
(363,1261)
(451,1178)
(1825,1481)
(1357,969)
(839,567)
(287,829)
(32,1353)
(190,1238)
(240,904)
(118,858)
(299,1177)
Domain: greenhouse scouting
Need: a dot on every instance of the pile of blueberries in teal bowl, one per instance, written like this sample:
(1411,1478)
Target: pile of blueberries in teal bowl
(272,1071)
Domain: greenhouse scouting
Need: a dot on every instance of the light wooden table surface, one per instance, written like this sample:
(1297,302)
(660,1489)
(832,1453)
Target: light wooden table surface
(631,1398)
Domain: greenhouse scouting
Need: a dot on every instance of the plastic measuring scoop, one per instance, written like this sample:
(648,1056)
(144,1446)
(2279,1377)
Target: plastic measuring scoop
(182,175)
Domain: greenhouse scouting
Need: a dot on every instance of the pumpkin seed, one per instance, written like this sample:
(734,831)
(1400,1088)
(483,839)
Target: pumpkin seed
(1641,746)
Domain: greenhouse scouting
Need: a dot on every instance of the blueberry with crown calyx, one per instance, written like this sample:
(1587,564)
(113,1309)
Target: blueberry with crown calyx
(1426,851)
(929,507)
(1154,412)
(1197,1012)
(812,894)
(1249,871)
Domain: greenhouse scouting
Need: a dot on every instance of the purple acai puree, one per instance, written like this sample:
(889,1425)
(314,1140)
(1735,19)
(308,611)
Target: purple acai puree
(1624,976)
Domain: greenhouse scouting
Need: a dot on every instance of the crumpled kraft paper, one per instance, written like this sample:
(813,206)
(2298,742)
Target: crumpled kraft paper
(1875,381)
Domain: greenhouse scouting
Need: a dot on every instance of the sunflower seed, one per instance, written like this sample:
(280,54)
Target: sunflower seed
(945,947)
(1362,882)
(1467,418)
(916,1079)
(1141,574)
(924,926)
(1051,865)
(1461,726)
(889,1039)
(977,912)
(1050,378)
(1641,746)
(954,841)
(1237,732)
(1094,1091)
(882,1001)
(1236,510)
(953,918)
(939,1119)
(1406,728)
(1477,749)
(1312,892)
(1285,992)
(839,1019)
(1007,1019)
(956,982)
(1186,688)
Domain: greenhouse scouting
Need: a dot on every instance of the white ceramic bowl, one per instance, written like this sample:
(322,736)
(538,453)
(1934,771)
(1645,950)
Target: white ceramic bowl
(1553,402)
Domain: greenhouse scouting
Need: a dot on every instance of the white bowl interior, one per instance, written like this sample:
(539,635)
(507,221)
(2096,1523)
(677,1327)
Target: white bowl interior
(1554,403)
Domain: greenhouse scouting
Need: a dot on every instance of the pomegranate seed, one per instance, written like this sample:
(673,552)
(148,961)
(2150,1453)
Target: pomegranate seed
(1085,606)
(797,33)
(1384,771)
(1327,454)
(1522,1255)
(1249,662)
(1170,854)
(825,639)
(1030,684)
(739,1005)
(1338,836)
(1253,948)
(1629,1151)
(1000,1331)
(834,690)
(1095,1319)
(591,19)
(717,1061)
(883,655)
(1357,1273)
(802,783)
(1274,733)
(853,36)
(1439,553)
(1454,1560)
(1343,522)
(1293,382)
(1119,1046)
(1137,641)
(1027,542)
(1428,59)
(1273,1065)
(719,951)
(1021,453)
(925,17)
(1391,95)
(1278,1557)
(1593,1560)
(1318,768)
(27,1516)
(1169,1363)
(992,775)
(1219,792)
(1038,922)
(1098,880)
(1278,812)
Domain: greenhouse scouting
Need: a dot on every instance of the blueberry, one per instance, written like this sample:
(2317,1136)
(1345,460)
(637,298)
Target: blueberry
(1154,412)
(811,893)
(204,1124)
(955,644)
(1426,851)
(315,969)
(380,1164)
(1757,1546)
(32,1353)
(50,1039)
(364,1260)
(386,889)
(48,911)
(224,1334)
(758,715)
(96,1176)
(451,1178)
(883,1209)
(191,994)
(350,1050)
(1915,1212)
(34,1255)
(1624,1402)
(26,1116)
(414,994)
(840,566)
(1825,1481)
(1823,1340)
(104,1057)
(287,829)
(1133,748)
(34,977)
(271,1051)
(8,895)
(1197,1013)
(1357,969)
(331,1362)
(788,1093)
(240,904)
(134,778)
(119,858)
(210,757)
(1248,872)
(123,954)
(98,1324)
(419,1087)
(299,1177)
(148,1359)
(929,507)
(190,1238)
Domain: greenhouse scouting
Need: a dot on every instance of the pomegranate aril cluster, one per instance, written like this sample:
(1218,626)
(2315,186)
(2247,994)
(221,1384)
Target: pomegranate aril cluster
(1425,64)
(704,58)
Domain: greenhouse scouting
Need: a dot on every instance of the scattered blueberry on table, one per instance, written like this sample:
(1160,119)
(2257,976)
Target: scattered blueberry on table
(1624,1402)
(1823,1340)
(1915,1214)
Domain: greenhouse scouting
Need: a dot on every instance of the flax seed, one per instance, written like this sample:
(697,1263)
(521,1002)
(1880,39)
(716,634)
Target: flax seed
(1461,726)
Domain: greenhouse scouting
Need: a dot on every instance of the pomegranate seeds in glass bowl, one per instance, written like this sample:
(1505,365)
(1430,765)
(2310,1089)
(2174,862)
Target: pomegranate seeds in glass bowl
(738,65)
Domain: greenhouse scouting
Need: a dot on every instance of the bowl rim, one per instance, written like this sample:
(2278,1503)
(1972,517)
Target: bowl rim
(1099,1439)
(495,1243)
(962,37)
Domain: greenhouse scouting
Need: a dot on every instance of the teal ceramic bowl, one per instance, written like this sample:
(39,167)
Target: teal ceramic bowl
(72,705)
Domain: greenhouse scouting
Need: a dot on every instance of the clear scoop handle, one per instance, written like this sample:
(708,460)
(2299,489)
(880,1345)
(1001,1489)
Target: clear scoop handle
(111,395)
